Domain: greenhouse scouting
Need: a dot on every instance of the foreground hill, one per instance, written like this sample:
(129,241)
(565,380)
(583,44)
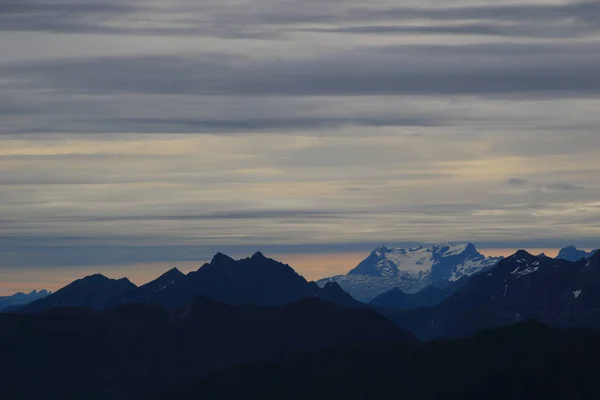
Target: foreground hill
(411,269)
(524,361)
(556,292)
(132,351)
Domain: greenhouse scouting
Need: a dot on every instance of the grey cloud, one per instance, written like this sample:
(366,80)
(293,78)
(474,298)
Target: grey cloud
(527,29)
(333,174)
(274,123)
(516,181)
(221,215)
(563,186)
(268,18)
(535,69)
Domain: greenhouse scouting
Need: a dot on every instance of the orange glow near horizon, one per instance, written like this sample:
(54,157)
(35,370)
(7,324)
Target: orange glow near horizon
(311,266)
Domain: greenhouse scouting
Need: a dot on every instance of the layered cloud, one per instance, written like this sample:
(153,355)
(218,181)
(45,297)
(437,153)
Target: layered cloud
(137,132)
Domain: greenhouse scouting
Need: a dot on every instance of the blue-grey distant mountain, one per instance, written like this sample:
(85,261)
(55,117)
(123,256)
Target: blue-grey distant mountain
(432,295)
(21,299)
(571,253)
(93,291)
(411,269)
(556,292)
(334,293)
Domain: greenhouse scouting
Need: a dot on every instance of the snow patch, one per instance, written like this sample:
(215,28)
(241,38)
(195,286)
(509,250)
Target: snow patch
(454,250)
(576,293)
(526,271)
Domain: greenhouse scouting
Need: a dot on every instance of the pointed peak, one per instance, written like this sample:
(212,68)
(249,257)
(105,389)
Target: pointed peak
(219,258)
(124,280)
(172,273)
(258,255)
(470,247)
(381,249)
(522,254)
(94,277)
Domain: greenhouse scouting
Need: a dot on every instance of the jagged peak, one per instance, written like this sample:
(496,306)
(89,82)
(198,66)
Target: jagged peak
(220,257)
(258,256)
(567,248)
(172,273)
(381,250)
(522,254)
(93,277)
(470,247)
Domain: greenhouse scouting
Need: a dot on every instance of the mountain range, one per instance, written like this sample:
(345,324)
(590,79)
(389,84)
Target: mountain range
(101,338)
(411,269)
(557,292)
(20,299)
(571,253)
(432,295)
(254,280)
(93,291)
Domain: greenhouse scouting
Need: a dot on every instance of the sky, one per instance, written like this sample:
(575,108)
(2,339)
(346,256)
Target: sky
(138,135)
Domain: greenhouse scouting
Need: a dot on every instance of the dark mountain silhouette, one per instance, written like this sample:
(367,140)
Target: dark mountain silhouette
(133,351)
(254,280)
(21,299)
(93,291)
(571,253)
(524,361)
(395,298)
(142,293)
(431,296)
(556,292)
(257,279)
(334,293)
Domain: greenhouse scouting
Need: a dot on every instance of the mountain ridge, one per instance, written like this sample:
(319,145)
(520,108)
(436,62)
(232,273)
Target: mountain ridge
(252,280)
(411,269)
(556,292)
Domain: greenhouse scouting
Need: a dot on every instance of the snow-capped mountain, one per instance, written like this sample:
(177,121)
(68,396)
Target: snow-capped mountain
(411,269)
(523,286)
(571,253)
